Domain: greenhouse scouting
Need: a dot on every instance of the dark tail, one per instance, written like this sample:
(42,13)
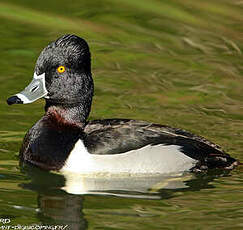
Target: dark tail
(217,161)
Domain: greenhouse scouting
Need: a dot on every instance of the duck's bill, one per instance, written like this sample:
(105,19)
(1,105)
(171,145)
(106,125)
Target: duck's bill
(35,90)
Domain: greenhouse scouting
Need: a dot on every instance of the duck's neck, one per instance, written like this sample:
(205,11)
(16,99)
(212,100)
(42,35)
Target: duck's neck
(72,109)
(66,115)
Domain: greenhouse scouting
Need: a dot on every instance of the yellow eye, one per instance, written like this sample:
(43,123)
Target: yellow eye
(61,69)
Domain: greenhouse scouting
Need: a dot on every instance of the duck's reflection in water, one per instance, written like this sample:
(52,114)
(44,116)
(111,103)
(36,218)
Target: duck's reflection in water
(61,197)
(63,211)
(56,207)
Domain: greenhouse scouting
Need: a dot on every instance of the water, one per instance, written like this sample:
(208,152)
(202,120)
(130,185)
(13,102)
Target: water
(167,62)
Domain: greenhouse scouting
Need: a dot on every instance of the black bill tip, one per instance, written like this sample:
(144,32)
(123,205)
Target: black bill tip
(14,100)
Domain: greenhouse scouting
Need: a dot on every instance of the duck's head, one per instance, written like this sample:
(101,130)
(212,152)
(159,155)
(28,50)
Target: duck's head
(62,75)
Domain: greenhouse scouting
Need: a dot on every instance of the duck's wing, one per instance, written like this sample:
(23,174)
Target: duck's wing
(117,136)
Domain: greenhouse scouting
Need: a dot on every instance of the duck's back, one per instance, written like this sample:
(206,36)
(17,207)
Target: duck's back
(132,142)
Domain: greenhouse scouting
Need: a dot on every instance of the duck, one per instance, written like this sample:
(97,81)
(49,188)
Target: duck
(64,140)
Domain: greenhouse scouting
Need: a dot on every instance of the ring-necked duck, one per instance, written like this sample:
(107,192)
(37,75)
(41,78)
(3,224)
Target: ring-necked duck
(64,140)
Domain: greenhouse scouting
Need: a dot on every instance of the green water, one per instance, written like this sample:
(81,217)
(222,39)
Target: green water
(172,62)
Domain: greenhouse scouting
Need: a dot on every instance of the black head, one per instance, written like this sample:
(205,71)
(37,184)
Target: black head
(70,50)
(62,76)
(66,63)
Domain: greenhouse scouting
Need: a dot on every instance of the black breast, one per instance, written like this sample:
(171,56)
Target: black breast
(48,146)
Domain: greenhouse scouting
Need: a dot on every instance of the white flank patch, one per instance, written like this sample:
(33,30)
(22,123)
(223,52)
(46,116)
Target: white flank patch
(149,159)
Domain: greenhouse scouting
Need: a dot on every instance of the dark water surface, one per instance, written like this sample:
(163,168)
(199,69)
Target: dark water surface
(172,62)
